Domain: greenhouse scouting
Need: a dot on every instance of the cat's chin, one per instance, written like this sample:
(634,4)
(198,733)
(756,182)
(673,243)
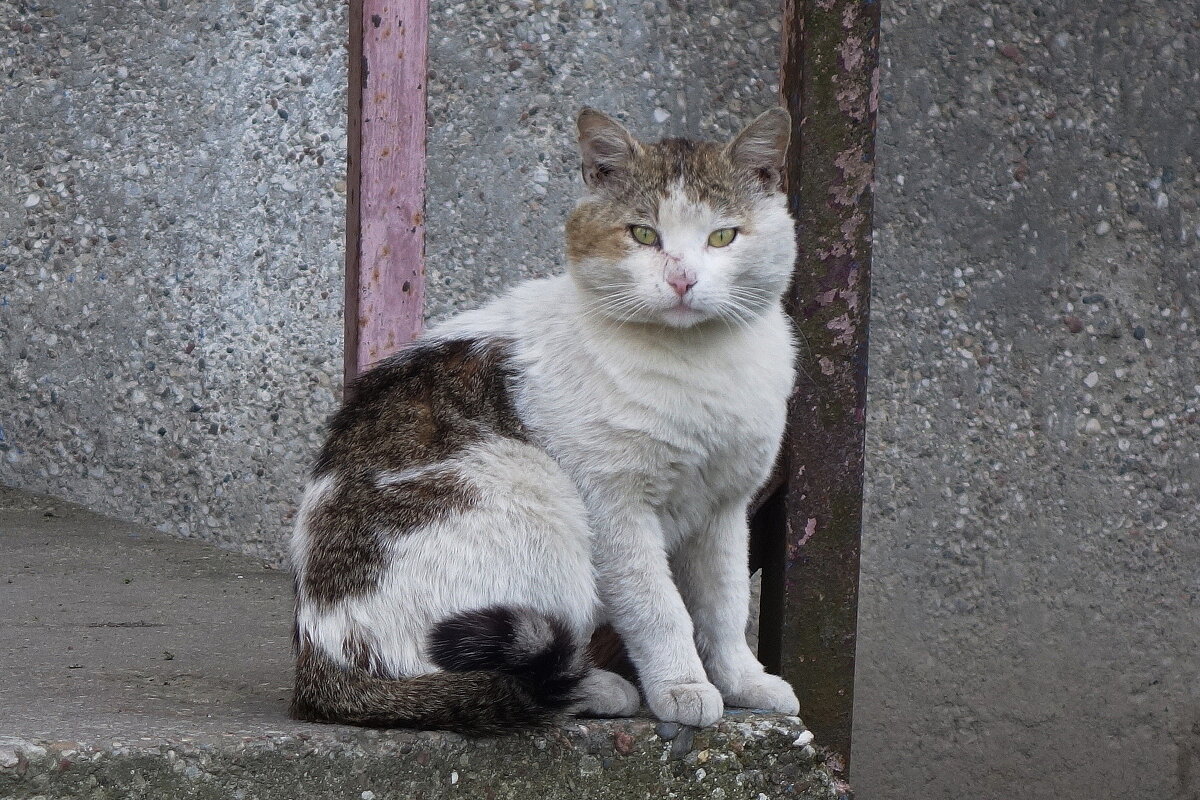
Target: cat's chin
(682,316)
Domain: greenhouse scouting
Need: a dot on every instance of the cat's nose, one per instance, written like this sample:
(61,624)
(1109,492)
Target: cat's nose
(681,283)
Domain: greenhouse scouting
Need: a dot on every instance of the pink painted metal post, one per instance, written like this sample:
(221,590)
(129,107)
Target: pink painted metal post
(385,187)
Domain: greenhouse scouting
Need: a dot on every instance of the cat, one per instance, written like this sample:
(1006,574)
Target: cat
(580,450)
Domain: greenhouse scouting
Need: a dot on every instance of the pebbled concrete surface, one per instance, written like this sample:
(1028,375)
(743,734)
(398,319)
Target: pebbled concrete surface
(141,666)
(1030,619)
(171,246)
(170,256)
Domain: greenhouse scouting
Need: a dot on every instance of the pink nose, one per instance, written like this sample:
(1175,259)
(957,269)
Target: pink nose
(681,283)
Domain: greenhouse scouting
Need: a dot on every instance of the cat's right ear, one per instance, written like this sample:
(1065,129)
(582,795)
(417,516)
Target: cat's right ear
(761,148)
(605,145)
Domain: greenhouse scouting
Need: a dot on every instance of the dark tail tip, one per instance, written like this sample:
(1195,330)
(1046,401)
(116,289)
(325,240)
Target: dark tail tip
(533,648)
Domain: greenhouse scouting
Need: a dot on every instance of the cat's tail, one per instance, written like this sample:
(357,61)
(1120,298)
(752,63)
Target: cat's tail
(503,669)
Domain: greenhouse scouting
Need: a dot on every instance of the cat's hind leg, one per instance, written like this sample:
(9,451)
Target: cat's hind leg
(519,541)
(607,694)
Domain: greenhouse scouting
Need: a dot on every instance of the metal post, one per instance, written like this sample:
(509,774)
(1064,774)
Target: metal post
(830,84)
(385,187)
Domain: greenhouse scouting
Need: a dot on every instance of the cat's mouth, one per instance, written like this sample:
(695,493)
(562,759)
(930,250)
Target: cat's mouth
(682,315)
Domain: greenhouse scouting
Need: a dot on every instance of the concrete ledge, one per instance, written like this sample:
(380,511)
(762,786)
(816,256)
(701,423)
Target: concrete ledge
(743,757)
(142,666)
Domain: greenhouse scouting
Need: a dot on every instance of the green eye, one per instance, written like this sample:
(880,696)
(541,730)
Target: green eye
(644,234)
(722,237)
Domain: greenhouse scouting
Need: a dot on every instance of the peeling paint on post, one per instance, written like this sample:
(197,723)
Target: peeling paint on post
(830,84)
(385,187)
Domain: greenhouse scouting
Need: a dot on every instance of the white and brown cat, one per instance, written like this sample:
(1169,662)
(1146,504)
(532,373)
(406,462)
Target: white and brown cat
(581,450)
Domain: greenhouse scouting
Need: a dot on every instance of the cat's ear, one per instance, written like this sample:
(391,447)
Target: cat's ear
(605,145)
(762,147)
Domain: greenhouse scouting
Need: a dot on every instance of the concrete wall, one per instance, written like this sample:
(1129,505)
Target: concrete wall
(170,308)
(171,229)
(1030,620)
(170,240)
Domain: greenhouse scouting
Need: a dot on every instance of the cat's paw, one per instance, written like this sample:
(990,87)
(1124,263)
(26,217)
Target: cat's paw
(766,692)
(696,704)
(606,694)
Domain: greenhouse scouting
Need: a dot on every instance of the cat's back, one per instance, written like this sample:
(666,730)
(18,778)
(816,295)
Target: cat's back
(421,405)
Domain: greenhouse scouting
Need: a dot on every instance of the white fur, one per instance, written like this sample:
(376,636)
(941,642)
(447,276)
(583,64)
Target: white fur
(652,432)
(607,694)
(524,543)
(398,478)
(662,430)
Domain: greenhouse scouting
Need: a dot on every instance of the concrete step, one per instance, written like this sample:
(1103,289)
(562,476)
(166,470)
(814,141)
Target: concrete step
(135,665)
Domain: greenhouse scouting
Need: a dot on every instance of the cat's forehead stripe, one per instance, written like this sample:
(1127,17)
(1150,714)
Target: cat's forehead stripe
(679,209)
(699,167)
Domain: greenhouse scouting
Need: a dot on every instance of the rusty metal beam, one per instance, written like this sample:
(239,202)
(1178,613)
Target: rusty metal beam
(385,186)
(830,83)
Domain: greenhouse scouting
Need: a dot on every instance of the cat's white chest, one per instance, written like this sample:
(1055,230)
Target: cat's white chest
(730,434)
(672,422)
(680,432)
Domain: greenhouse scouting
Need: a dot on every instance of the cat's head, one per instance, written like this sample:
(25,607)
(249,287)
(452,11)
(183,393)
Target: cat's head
(680,232)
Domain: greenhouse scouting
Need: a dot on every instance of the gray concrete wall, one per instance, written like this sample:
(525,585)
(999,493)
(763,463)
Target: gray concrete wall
(172,220)
(170,247)
(1031,565)
(170,309)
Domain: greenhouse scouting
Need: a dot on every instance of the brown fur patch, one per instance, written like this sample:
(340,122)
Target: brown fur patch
(347,532)
(420,406)
(359,653)
(701,168)
(474,702)
(413,410)
(593,232)
(599,227)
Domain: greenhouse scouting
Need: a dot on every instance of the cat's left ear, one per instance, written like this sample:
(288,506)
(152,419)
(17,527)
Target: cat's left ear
(605,145)
(762,147)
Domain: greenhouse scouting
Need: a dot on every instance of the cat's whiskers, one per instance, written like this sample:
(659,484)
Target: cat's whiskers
(617,306)
(742,292)
(639,305)
(764,294)
(742,316)
(743,304)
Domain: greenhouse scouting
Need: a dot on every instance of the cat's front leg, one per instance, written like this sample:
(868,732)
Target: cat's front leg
(711,570)
(644,606)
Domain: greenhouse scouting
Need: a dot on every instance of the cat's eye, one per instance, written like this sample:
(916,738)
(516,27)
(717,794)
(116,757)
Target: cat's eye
(643,234)
(722,237)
